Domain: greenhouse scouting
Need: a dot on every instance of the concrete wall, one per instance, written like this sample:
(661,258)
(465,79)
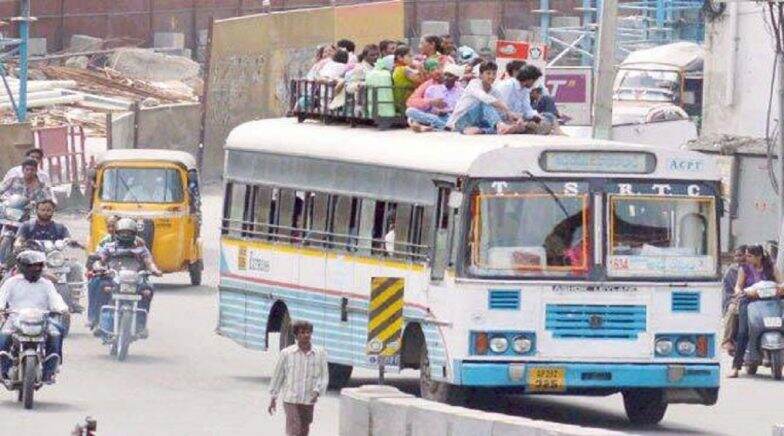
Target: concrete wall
(374,410)
(14,140)
(121,131)
(741,111)
(247,77)
(173,127)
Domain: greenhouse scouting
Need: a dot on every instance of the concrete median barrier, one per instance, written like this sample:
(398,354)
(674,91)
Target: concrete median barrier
(355,416)
(385,411)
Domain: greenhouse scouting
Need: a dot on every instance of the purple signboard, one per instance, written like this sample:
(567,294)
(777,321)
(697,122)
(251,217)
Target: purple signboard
(567,87)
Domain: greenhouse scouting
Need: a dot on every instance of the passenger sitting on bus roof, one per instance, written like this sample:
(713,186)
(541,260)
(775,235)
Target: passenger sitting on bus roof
(323,54)
(448,47)
(387,47)
(508,79)
(336,67)
(404,77)
(440,97)
(431,48)
(544,104)
(480,109)
(516,91)
(367,59)
(349,46)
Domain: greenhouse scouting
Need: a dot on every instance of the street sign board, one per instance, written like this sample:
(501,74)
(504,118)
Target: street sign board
(385,319)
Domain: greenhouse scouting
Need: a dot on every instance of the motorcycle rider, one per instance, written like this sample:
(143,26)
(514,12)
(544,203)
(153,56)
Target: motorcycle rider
(95,296)
(29,290)
(42,227)
(126,239)
(758,267)
(28,184)
(17,171)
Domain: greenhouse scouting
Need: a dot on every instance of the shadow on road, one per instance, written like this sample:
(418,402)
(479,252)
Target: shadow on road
(143,359)
(41,406)
(252,380)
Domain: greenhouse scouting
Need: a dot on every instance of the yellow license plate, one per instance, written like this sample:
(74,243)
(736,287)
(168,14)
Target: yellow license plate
(547,379)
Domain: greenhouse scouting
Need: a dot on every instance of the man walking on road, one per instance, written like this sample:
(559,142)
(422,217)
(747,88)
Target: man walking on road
(300,378)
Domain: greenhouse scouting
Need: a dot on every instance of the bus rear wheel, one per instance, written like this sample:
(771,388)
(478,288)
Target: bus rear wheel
(339,375)
(644,406)
(430,389)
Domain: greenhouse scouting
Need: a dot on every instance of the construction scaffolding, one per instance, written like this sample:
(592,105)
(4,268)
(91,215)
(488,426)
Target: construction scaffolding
(641,24)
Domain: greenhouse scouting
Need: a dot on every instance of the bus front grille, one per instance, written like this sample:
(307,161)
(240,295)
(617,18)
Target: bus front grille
(590,321)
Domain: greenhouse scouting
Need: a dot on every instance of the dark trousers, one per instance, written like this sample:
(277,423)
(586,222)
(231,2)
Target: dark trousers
(96,298)
(742,338)
(53,345)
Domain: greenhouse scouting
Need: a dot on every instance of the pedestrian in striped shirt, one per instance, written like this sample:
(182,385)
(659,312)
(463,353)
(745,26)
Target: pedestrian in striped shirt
(300,378)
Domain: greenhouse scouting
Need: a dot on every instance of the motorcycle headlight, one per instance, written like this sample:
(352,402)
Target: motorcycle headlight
(663,347)
(55,259)
(30,329)
(499,344)
(686,347)
(521,345)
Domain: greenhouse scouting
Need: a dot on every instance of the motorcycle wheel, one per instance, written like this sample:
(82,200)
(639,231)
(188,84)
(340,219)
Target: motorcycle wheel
(124,338)
(776,363)
(28,381)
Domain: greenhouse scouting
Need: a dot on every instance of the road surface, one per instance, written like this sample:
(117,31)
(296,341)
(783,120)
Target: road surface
(186,380)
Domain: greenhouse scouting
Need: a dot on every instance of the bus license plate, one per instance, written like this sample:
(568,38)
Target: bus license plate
(547,379)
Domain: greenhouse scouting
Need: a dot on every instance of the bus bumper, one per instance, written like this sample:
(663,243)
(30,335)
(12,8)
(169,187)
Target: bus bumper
(587,376)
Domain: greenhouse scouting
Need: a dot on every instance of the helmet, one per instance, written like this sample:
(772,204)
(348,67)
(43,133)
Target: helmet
(126,231)
(31,264)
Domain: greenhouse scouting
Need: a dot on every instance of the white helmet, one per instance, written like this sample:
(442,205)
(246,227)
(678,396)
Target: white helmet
(126,224)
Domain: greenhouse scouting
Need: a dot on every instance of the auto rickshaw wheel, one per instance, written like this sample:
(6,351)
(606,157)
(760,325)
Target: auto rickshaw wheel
(195,269)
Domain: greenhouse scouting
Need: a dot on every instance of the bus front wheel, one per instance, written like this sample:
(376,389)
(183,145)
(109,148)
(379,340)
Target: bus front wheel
(338,375)
(430,389)
(644,406)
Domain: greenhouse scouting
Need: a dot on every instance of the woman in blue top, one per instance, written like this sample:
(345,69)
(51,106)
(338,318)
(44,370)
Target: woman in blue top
(758,267)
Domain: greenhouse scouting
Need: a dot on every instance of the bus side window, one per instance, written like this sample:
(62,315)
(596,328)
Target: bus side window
(367,215)
(340,222)
(384,228)
(236,208)
(262,208)
(441,246)
(320,219)
(286,200)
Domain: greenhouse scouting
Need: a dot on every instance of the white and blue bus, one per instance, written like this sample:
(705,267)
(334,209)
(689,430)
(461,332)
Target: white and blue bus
(534,264)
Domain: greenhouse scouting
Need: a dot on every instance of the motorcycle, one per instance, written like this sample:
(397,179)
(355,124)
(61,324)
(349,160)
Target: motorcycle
(14,210)
(766,329)
(120,321)
(28,353)
(68,280)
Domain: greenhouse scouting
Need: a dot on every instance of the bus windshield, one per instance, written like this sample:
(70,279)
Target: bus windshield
(529,228)
(662,236)
(142,185)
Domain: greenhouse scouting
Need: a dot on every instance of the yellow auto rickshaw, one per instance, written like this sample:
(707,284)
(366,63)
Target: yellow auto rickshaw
(160,190)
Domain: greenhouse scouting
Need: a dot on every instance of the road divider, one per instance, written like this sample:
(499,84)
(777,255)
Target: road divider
(374,410)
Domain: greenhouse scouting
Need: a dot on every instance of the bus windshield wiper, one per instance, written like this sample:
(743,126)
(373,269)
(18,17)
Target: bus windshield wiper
(548,190)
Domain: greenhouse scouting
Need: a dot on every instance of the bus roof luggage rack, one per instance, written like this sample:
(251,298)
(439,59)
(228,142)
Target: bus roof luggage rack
(331,102)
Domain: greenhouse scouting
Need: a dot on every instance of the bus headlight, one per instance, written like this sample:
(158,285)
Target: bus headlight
(663,347)
(686,347)
(499,344)
(521,345)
